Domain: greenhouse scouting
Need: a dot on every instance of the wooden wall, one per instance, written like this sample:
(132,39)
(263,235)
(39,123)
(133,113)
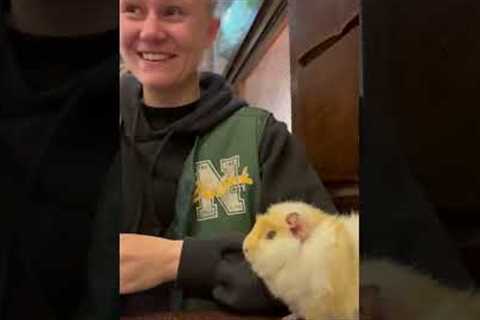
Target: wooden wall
(325,55)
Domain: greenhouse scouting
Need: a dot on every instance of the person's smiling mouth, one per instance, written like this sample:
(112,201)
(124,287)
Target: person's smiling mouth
(156,56)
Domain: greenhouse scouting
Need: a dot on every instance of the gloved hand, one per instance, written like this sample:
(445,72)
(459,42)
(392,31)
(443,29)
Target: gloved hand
(218,266)
(237,286)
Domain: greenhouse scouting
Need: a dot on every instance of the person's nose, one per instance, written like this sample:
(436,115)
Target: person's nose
(153,29)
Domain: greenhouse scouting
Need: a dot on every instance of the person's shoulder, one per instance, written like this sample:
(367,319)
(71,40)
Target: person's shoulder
(250,110)
(269,118)
(262,117)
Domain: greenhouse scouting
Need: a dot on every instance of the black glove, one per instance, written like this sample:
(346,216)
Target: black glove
(198,262)
(237,287)
(218,266)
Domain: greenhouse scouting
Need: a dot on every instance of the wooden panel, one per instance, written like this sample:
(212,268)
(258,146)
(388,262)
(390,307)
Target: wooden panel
(325,48)
(327,112)
(314,21)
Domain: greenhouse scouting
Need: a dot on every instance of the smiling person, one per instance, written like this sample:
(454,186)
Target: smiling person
(197,164)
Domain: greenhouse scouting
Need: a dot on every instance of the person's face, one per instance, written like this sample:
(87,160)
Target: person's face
(162,41)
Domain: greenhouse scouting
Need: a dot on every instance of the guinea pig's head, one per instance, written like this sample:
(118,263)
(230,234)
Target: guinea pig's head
(276,238)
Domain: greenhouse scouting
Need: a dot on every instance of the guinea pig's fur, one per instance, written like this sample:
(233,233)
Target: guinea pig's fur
(307,258)
(406,293)
(313,266)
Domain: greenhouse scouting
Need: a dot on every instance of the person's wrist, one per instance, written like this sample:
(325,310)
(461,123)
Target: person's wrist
(174,259)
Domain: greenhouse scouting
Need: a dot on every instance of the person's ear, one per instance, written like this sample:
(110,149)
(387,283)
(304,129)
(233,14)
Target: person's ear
(213,28)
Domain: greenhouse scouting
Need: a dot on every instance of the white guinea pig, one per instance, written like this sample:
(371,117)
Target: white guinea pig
(307,258)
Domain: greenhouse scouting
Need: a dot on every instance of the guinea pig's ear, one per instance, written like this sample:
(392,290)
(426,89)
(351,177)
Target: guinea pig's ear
(296,225)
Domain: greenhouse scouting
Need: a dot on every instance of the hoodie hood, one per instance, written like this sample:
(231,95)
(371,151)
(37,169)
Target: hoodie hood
(216,103)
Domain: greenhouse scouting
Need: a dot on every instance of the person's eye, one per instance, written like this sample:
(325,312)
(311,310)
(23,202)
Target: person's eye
(132,11)
(270,234)
(173,12)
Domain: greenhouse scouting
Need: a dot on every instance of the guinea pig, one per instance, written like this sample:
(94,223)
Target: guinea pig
(307,258)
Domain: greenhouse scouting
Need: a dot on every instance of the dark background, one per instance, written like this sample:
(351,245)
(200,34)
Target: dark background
(420,110)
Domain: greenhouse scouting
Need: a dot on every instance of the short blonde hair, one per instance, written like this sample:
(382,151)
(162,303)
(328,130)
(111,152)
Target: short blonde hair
(212,5)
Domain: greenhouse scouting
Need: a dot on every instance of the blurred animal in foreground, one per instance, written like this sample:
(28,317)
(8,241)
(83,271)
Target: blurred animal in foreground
(405,293)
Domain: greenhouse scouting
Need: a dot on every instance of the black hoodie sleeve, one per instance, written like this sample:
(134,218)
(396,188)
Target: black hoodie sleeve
(217,266)
(285,171)
(217,269)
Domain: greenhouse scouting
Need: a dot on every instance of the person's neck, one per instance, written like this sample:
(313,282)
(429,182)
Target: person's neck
(172,98)
(63,18)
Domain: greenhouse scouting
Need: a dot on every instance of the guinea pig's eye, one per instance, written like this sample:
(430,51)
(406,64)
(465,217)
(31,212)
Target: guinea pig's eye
(271,234)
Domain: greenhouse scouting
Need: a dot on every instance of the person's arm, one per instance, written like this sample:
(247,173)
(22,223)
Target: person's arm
(202,268)
(147,261)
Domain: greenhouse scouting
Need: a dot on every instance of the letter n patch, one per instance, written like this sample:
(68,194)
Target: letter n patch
(225,189)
